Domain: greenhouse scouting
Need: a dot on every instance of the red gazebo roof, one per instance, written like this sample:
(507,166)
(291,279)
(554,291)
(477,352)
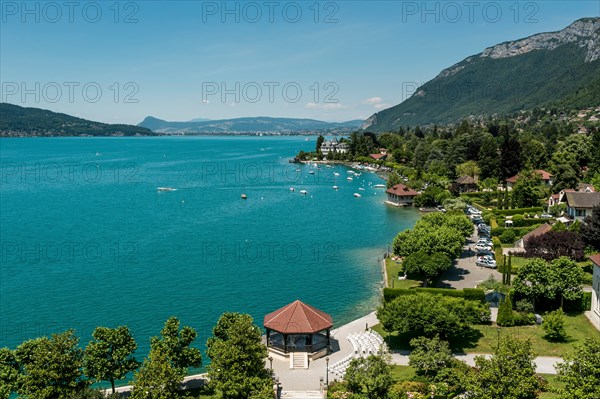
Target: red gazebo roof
(298,318)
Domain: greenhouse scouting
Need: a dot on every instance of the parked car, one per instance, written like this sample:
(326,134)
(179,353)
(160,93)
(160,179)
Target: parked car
(490,263)
(546,216)
(483,247)
(484,241)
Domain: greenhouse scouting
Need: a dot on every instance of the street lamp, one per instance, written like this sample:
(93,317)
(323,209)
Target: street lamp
(271,363)
(327,372)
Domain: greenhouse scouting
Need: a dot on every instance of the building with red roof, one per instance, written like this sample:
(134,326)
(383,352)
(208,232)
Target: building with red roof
(298,328)
(400,195)
(547,178)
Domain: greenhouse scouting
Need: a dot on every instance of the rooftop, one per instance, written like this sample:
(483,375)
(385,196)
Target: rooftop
(298,318)
(402,190)
(582,199)
(595,259)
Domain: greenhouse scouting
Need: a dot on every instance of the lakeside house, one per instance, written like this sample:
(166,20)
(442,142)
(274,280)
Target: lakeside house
(580,204)
(334,146)
(400,195)
(467,184)
(381,156)
(596,289)
(545,176)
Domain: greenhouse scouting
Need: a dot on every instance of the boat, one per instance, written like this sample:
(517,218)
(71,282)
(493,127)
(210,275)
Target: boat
(166,189)
(335,187)
(292,189)
(357,195)
(361,188)
(304,192)
(380,186)
(312,172)
(336,174)
(349,178)
(298,170)
(244,196)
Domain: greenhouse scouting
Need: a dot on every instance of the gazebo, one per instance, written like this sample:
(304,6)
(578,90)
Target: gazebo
(298,327)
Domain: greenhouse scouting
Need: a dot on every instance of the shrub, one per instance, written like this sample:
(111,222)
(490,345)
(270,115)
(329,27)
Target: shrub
(400,389)
(505,313)
(509,212)
(497,243)
(508,236)
(523,319)
(554,326)
(473,294)
(524,305)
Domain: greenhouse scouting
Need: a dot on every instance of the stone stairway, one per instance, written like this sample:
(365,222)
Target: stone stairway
(299,360)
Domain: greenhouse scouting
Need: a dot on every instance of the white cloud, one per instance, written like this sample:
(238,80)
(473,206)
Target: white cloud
(373,100)
(326,106)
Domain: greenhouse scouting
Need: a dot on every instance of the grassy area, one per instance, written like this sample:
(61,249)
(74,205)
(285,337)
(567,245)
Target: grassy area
(483,338)
(394,268)
(403,373)
(552,384)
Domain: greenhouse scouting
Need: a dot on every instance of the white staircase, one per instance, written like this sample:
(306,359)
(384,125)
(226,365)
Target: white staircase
(299,360)
(301,395)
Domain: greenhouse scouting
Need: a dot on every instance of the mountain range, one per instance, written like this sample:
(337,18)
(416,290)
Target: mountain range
(547,69)
(16,121)
(248,125)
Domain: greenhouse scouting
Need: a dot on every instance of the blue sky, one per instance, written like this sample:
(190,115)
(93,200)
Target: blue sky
(180,60)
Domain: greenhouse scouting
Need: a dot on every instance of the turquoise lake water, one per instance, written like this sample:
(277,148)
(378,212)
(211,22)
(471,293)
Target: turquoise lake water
(87,240)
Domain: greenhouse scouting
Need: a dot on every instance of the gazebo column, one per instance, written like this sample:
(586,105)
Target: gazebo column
(285,343)
(328,341)
(268,336)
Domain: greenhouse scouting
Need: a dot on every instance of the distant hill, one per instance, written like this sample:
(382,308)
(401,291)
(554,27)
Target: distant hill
(16,121)
(556,68)
(259,124)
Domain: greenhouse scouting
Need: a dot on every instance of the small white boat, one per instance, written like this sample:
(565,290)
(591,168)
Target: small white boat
(349,178)
(361,189)
(335,187)
(312,172)
(336,174)
(379,186)
(304,192)
(357,195)
(292,189)
(244,196)
(298,170)
(350,171)
(166,189)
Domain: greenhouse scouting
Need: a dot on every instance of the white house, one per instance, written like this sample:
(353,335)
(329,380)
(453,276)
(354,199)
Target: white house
(596,290)
(580,204)
(333,146)
(400,195)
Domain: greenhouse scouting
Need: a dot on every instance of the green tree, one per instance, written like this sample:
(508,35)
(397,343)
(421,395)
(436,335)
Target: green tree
(428,266)
(430,355)
(554,326)
(177,343)
(469,168)
(590,230)
(393,179)
(158,378)
(109,357)
(489,160)
(320,141)
(526,190)
(237,354)
(510,153)
(50,367)
(9,373)
(580,371)
(508,374)
(566,279)
(371,376)
(534,280)
(506,317)
(426,314)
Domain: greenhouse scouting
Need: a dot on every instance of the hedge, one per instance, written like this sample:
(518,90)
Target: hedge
(473,294)
(583,304)
(510,212)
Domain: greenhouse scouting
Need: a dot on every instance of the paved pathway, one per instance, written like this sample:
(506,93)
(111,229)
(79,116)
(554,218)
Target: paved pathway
(464,273)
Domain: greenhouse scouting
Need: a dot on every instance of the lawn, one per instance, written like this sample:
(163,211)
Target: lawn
(484,338)
(403,373)
(394,268)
